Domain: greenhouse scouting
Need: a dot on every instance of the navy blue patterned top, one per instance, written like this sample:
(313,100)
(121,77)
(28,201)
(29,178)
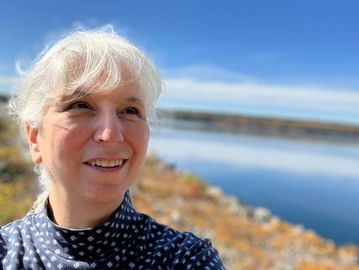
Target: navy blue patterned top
(129,240)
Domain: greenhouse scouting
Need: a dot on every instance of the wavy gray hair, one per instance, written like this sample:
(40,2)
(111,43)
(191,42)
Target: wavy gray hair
(95,60)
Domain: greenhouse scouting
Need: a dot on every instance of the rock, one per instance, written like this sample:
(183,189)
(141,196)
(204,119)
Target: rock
(177,202)
(214,192)
(234,206)
(4,164)
(298,229)
(348,255)
(272,223)
(175,217)
(262,215)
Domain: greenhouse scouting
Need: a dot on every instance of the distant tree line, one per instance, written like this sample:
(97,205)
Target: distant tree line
(265,126)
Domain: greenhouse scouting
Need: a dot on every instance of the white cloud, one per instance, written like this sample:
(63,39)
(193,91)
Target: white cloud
(246,95)
(206,73)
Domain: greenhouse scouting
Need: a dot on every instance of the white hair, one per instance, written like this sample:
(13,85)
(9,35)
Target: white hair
(91,60)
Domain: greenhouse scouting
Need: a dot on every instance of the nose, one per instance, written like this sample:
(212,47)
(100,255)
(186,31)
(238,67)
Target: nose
(109,129)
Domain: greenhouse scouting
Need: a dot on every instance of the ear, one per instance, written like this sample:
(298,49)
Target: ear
(33,139)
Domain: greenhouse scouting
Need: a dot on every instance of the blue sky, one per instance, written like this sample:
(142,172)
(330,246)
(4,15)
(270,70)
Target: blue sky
(292,59)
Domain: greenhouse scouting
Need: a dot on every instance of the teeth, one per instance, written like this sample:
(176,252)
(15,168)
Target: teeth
(106,163)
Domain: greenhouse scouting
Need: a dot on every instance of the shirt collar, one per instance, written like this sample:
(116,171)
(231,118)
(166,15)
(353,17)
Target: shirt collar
(100,241)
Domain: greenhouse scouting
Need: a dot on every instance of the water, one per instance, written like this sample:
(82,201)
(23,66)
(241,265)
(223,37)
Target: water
(310,183)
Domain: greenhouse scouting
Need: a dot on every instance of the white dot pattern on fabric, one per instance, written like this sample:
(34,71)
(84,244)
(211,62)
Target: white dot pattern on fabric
(129,240)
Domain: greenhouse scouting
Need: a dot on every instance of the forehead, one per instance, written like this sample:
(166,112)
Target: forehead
(128,92)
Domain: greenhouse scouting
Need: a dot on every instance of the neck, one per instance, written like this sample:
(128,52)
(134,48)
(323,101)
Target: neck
(77,214)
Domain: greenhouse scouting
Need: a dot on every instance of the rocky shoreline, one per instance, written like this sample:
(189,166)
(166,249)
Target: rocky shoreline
(246,237)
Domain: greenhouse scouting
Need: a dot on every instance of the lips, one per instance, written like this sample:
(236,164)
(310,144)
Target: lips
(104,163)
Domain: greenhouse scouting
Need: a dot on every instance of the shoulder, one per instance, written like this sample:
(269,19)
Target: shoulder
(3,246)
(196,253)
(12,234)
(183,249)
(16,226)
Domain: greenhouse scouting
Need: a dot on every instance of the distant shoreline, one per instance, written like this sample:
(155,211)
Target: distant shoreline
(262,126)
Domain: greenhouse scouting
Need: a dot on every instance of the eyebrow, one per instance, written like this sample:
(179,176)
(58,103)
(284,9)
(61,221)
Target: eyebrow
(78,93)
(134,99)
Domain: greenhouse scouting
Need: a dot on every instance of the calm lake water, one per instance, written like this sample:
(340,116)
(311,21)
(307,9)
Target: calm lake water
(311,183)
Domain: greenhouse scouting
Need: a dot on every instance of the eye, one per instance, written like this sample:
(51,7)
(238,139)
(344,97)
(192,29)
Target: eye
(132,111)
(79,105)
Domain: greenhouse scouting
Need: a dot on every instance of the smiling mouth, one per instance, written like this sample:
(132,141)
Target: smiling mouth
(102,163)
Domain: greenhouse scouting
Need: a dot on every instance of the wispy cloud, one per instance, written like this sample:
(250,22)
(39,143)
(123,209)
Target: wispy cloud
(206,73)
(247,95)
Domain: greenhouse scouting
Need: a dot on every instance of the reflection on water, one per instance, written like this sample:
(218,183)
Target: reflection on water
(315,184)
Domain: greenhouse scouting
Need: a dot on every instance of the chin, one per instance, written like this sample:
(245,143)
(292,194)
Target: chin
(107,195)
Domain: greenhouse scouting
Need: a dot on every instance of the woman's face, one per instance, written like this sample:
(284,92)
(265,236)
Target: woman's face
(92,147)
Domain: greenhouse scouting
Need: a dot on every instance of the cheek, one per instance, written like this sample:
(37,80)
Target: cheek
(61,142)
(54,149)
(140,140)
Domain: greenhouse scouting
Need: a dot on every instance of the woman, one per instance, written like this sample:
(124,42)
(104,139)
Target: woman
(85,105)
